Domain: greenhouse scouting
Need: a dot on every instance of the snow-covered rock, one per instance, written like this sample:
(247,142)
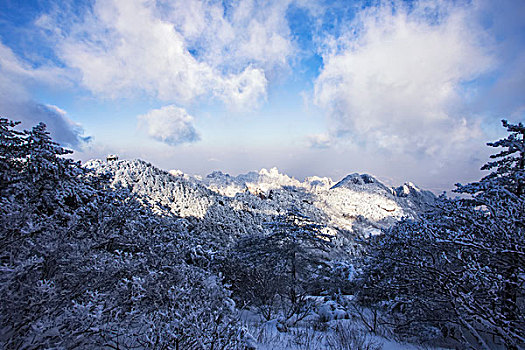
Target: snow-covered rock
(229,206)
(410,194)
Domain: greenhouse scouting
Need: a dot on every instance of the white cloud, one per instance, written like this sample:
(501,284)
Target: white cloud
(169,124)
(243,90)
(178,51)
(237,34)
(16,76)
(397,83)
(320,141)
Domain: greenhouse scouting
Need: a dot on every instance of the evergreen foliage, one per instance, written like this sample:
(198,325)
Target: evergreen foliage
(275,271)
(508,169)
(84,265)
(458,272)
(124,255)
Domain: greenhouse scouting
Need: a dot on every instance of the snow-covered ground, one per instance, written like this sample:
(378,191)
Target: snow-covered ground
(330,326)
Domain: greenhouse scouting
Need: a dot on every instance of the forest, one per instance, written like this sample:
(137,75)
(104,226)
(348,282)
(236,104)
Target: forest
(90,262)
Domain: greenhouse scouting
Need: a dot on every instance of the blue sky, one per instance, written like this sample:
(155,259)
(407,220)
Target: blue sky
(404,90)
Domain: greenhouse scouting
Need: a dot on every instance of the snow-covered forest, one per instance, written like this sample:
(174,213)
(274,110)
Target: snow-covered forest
(119,254)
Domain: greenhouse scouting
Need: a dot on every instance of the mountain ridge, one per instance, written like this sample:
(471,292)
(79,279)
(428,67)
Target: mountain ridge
(359,204)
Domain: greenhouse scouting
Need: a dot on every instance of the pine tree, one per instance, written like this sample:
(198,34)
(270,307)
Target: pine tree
(86,265)
(459,269)
(280,267)
(11,152)
(501,192)
(508,170)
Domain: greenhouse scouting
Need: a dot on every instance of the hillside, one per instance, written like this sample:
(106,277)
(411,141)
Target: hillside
(236,205)
(121,254)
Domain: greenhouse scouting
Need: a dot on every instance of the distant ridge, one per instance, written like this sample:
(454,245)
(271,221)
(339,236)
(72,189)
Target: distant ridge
(359,204)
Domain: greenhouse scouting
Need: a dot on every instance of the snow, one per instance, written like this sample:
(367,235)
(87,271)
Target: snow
(359,204)
(220,207)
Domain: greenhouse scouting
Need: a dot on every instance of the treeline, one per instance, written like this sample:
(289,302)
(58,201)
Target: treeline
(457,274)
(83,265)
(86,263)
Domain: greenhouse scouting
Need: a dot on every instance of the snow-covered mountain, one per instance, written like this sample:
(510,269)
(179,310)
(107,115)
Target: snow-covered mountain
(123,253)
(236,205)
(354,197)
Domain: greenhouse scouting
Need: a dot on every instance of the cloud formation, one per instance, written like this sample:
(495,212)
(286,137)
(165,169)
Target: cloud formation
(320,141)
(504,97)
(396,79)
(236,34)
(408,87)
(169,124)
(178,51)
(17,104)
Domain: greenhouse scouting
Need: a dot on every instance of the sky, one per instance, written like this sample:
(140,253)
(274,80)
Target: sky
(403,90)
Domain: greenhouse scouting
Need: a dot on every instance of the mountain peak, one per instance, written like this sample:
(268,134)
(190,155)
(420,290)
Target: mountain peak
(407,189)
(358,180)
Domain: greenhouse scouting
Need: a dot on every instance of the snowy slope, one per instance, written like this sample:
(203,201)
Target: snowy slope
(347,204)
(228,206)
(204,212)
